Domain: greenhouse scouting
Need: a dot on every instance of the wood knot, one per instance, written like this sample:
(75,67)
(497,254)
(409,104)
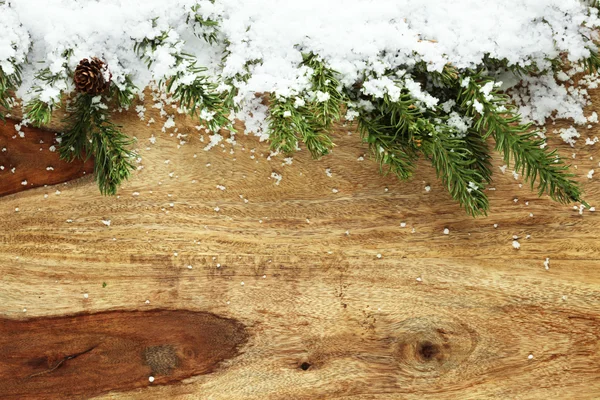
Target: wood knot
(427,350)
(161,359)
(304,366)
(431,346)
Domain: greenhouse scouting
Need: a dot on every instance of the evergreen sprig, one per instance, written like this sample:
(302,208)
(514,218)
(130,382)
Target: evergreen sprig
(8,84)
(123,94)
(91,133)
(309,116)
(496,117)
(198,95)
(290,123)
(399,130)
(207,28)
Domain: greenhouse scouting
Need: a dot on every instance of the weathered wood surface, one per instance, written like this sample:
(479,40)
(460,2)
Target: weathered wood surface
(27,162)
(457,316)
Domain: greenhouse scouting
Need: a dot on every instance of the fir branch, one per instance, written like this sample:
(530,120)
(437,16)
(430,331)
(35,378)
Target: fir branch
(74,142)
(391,154)
(592,63)
(208,26)
(326,106)
(456,165)
(38,111)
(480,151)
(123,94)
(91,133)
(495,116)
(8,84)
(112,163)
(146,47)
(289,123)
(200,97)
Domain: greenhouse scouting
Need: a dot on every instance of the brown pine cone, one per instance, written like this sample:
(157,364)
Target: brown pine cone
(90,76)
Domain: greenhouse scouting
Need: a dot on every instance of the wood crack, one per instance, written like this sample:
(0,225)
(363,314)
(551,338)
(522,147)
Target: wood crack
(61,362)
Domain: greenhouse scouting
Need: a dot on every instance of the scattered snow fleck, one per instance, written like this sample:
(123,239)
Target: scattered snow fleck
(379,256)
(217,209)
(151,379)
(24,183)
(106,222)
(591,142)
(277,177)
(569,135)
(428,188)
(590,174)
(530,357)
(547,264)
(516,245)
(446,231)
(85,295)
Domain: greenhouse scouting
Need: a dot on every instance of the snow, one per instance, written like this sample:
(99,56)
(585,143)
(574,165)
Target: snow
(266,39)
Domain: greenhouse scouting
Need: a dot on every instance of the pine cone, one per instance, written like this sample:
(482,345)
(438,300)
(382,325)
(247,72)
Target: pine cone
(90,76)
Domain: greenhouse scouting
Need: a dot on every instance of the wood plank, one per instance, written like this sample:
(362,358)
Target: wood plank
(326,318)
(30,161)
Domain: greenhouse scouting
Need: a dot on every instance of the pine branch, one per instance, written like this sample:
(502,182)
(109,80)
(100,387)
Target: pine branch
(8,84)
(592,63)
(209,28)
(112,163)
(199,95)
(123,95)
(38,111)
(481,155)
(91,133)
(496,117)
(391,154)
(326,106)
(456,165)
(200,98)
(74,142)
(290,123)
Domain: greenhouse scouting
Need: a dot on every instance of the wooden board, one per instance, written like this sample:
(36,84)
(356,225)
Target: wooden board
(339,299)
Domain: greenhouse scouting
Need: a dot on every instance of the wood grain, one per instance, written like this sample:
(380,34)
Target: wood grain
(27,162)
(457,316)
(86,355)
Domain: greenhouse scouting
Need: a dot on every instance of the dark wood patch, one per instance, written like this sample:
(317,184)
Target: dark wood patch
(86,355)
(28,167)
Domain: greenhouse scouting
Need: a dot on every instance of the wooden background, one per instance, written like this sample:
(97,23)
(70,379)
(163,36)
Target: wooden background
(436,316)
